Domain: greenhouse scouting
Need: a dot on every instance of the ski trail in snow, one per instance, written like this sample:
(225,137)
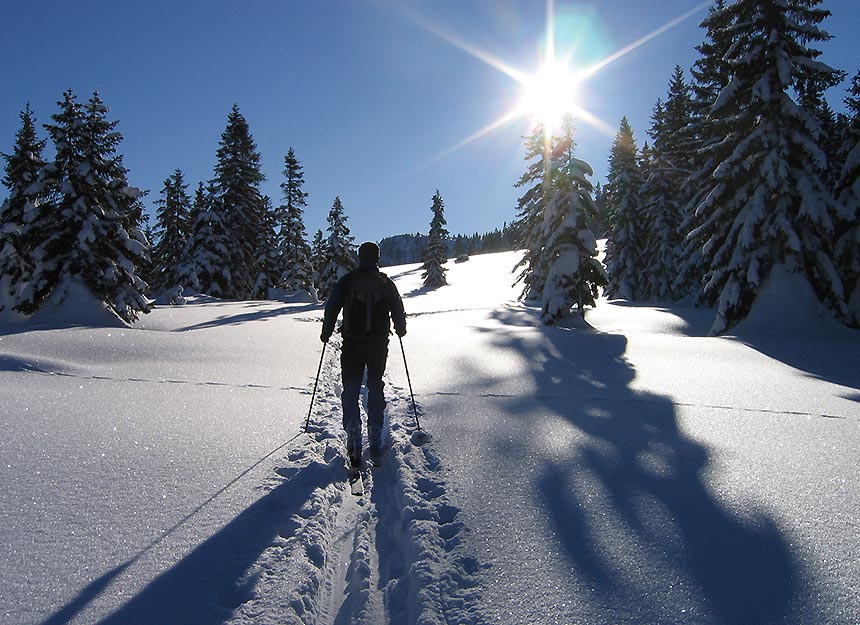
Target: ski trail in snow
(426,571)
(395,555)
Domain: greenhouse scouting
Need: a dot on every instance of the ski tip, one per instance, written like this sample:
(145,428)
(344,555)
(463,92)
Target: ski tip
(419,437)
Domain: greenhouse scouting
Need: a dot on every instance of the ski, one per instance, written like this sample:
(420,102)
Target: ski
(356,484)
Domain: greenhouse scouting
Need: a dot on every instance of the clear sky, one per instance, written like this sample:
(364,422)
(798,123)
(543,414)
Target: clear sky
(378,98)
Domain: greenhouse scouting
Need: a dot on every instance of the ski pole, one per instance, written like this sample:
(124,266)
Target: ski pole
(408,379)
(314,394)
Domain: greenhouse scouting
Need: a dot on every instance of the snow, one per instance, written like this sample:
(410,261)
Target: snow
(786,306)
(625,470)
(72,304)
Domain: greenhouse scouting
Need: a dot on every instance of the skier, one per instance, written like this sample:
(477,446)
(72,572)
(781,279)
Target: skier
(370,302)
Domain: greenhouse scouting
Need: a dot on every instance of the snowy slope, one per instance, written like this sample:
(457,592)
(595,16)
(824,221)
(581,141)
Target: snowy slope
(635,471)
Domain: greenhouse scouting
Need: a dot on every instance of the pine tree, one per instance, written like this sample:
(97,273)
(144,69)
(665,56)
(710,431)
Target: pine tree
(574,273)
(23,168)
(529,222)
(624,253)
(600,226)
(296,268)
(172,230)
(267,261)
(767,203)
(662,191)
(79,234)
(146,268)
(318,256)
(436,252)
(339,252)
(847,193)
(204,269)
(704,139)
(240,204)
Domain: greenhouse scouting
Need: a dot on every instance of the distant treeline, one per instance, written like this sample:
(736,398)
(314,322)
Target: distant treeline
(403,249)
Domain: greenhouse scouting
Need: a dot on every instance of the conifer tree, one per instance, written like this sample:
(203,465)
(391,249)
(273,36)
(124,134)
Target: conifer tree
(339,252)
(204,269)
(79,234)
(436,252)
(624,250)
(239,202)
(529,223)
(600,226)
(146,267)
(847,194)
(662,191)
(23,168)
(296,268)
(172,230)
(318,256)
(266,261)
(767,202)
(574,274)
(704,138)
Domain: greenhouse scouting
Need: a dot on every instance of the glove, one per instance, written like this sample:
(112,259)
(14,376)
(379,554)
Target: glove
(401,332)
(325,336)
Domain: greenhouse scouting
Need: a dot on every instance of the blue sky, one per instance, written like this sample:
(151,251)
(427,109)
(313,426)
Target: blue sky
(376,97)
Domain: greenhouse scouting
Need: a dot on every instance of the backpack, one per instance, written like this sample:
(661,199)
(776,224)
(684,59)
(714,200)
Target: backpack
(366,307)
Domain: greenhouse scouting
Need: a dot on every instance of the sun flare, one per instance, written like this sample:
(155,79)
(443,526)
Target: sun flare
(550,94)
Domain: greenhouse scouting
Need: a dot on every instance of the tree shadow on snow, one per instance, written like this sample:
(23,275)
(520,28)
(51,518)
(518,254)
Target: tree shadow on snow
(263,314)
(628,499)
(832,359)
(208,584)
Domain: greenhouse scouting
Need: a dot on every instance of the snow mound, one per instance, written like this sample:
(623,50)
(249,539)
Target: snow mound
(72,304)
(787,306)
(294,297)
(574,321)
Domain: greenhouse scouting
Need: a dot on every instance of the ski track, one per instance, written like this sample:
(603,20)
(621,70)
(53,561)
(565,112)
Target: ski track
(395,555)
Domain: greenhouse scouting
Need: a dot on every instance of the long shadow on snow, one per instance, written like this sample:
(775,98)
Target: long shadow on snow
(256,315)
(828,358)
(636,460)
(205,586)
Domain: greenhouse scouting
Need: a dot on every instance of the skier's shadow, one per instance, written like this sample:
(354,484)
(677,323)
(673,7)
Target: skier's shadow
(210,582)
(631,495)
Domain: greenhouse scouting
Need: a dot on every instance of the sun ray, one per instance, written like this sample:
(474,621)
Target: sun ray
(525,78)
(594,68)
(471,49)
(507,118)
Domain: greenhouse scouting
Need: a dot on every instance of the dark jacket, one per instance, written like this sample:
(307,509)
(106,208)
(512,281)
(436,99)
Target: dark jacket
(390,307)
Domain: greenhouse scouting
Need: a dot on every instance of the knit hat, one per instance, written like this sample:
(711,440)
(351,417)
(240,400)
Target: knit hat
(369,251)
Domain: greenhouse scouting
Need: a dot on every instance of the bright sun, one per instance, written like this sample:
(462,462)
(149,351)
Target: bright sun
(550,94)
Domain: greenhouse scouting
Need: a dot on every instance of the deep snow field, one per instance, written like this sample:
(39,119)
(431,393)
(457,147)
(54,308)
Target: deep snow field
(628,470)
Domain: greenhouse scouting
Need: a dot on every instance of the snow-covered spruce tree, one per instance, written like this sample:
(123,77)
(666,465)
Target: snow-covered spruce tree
(239,202)
(662,192)
(574,274)
(847,193)
(266,261)
(23,168)
(146,267)
(339,252)
(79,234)
(171,230)
(204,269)
(705,141)
(624,248)
(767,203)
(529,222)
(296,268)
(600,226)
(436,252)
(318,256)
